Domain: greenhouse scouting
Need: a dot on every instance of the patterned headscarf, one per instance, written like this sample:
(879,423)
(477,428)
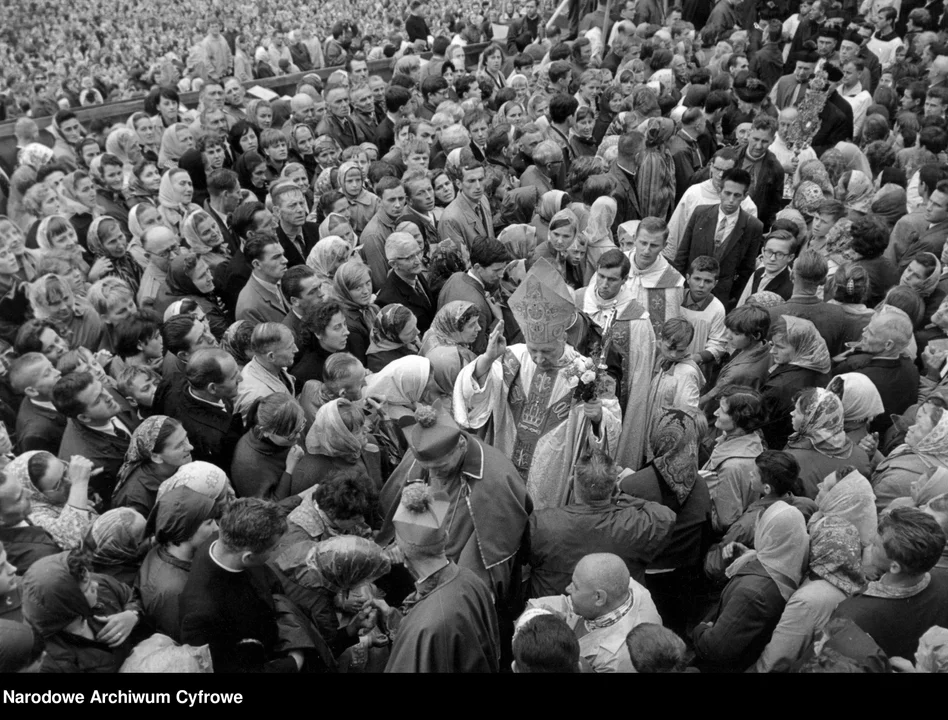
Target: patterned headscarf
(861,399)
(932,653)
(814,171)
(36,155)
(836,555)
(120,143)
(520,239)
(823,426)
(327,255)
(765,299)
(202,477)
(781,546)
(674,445)
(807,198)
(141,447)
(851,498)
(117,537)
(933,448)
(855,191)
(446,327)
(329,435)
(889,204)
(809,347)
(386,330)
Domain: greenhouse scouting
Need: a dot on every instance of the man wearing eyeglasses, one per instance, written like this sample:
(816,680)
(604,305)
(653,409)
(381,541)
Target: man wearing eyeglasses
(774,274)
(161,247)
(405,283)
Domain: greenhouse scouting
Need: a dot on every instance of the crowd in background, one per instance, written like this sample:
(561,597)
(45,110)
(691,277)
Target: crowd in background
(617,345)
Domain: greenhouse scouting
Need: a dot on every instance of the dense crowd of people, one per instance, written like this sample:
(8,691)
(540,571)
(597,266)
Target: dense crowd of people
(617,347)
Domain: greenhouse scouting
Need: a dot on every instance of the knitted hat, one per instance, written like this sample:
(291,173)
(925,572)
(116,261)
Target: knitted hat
(419,518)
(433,435)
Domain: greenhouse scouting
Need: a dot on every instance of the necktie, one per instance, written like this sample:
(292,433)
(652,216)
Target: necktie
(120,431)
(719,233)
(480,214)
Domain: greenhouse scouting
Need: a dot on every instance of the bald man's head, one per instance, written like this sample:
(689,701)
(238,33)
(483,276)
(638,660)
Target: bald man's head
(600,584)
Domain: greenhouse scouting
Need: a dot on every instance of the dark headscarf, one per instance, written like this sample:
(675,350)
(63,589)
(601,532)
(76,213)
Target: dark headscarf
(18,646)
(193,162)
(244,168)
(52,598)
(178,515)
(674,445)
(179,275)
(889,205)
(519,205)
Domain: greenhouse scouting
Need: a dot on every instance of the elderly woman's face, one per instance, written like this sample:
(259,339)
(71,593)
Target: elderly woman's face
(181,182)
(925,421)
(258,178)
(150,178)
(298,177)
(185,137)
(208,232)
(51,204)
(305,140)
(113,240)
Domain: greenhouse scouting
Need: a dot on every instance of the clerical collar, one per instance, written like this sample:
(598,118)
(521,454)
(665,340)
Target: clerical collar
(421,580)
(217,562)
(611,618)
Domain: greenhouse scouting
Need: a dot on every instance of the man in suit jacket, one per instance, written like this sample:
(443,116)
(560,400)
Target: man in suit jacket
(274,348)
(338,123)
(489,259)
(895,377)
(406,283)
(791,89)
(468,216)
(232,275)
(97,429)
(398,104)
(261,299)
(832,322)
(421,203)
(932,238)
(726,233)
(296,235)
(223,190)
(39,426)
(767,174)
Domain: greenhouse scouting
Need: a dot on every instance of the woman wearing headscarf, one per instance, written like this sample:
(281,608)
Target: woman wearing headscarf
(801,359)
(336,442)
(107,240)
(353,286)
(403,384)
(327,256)
(85,618)
(251,170)
(925,449)
(159,446)
(521,241)
(202,477)
(889,205)
(924,274)
(175,142)
(849,289)
(456,324)
(550,204)
(79,203)
(655,179)
(394,335)
(58,495)
(302,143)
(846,493)
(446,364)
(852,159)
(861,403)
(181,521)
(519,205)
(117,544)
(57,233)
(189,276)
(835,572)
(123,143)
(672,479)
(807,198)
(362,203)
(814,171)
(762,580)
(819,442)
(265,458)
(565,248)
(203,236)
(598,232)
(855,191)
(35,155)
(174,198)
(192,162)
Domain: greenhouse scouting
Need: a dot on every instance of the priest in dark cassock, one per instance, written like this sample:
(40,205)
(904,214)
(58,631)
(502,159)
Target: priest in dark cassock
(489,506)
(448,625)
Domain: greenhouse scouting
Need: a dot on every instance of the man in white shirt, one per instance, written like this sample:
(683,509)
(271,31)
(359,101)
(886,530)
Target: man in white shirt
(852,91)
(884,41)
(781,150)
(603,603)
(704,193)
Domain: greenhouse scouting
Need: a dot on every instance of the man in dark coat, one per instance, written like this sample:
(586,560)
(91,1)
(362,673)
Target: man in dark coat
(449,623)
(767,174)
(232,600)
(206,409)
(895,377)
(726,233)
(632,528)
(406,282)
(489,259)
(97,429)
(232,274)
(767,63)
(24,542)
(623,172)
(38,425)
(297,236)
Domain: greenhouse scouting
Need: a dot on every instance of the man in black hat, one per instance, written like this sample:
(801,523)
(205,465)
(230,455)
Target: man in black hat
(827,46)
(767,63)
(807,31)
(749,93)
(791,89)
(836,118)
